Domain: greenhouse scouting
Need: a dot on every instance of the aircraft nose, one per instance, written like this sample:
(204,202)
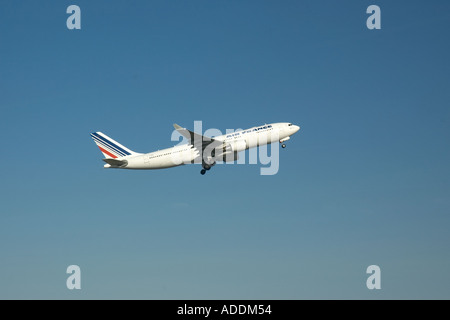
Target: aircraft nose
(296,128)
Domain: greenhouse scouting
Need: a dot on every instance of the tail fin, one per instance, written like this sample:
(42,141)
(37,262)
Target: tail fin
(110,148)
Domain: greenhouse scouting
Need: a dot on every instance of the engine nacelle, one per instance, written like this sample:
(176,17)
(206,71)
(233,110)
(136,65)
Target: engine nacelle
(284,139)
(229,156)
(228,152)
(236,146)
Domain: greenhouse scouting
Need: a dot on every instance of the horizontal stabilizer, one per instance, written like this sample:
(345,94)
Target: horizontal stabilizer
(116,163)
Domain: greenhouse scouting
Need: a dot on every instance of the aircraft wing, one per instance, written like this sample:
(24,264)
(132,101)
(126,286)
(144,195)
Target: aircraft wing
(197,140)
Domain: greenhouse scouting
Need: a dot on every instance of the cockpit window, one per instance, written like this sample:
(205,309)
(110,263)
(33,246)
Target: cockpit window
(290,124)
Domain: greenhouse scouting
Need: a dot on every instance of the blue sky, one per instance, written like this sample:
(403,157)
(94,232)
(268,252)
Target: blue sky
(365,181)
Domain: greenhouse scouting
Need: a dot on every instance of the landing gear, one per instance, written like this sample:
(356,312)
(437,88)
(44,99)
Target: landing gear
(282,142)
(206,167)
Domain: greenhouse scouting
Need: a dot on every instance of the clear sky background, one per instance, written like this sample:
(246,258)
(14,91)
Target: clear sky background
(365,181)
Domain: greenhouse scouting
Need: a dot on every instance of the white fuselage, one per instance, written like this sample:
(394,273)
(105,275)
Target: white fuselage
(236,141)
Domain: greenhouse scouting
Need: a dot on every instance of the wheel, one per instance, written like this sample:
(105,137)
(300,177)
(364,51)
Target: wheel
(207,167)
(283,145)
(203,171)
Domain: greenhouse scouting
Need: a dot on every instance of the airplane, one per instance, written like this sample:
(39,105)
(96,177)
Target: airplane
(199,148)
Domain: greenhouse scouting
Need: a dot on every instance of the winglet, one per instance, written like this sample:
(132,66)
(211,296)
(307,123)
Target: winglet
(184,132)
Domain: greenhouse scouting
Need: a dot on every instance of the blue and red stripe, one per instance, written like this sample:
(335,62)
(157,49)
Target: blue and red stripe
(111,145)
(107,152)
(108,147)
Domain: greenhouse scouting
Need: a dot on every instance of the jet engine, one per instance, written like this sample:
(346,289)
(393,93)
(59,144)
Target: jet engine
(238,145)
